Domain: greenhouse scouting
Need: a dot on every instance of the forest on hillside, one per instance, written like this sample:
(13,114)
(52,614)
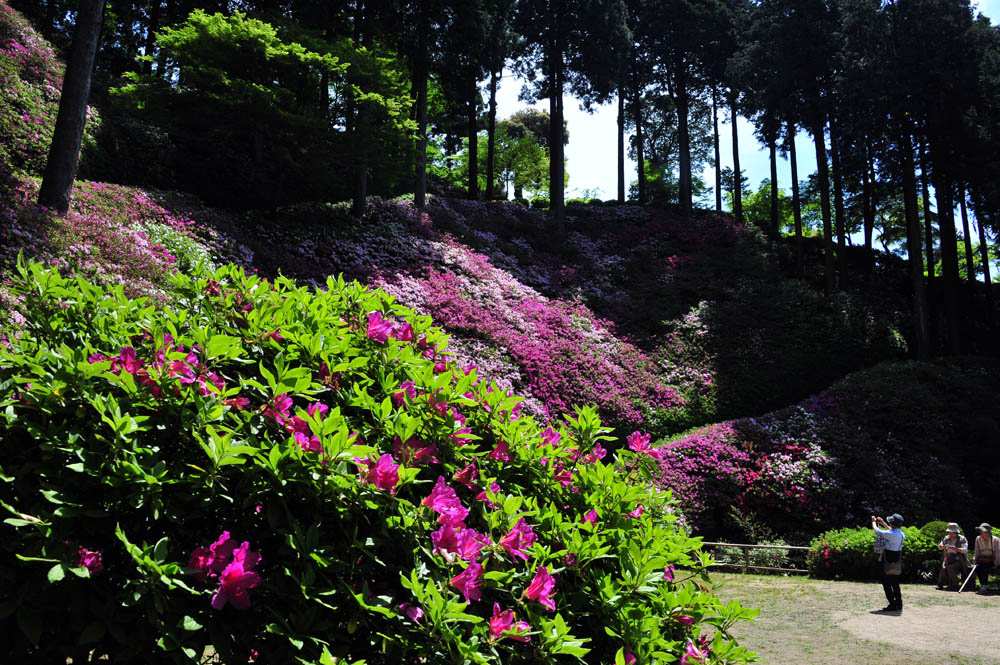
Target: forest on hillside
(306,357)
(254,105)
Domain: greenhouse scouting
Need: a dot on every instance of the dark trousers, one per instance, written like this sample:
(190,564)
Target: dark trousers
(890,584)
(983,572)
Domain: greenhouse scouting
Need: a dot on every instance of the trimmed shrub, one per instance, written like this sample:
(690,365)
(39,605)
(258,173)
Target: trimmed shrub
(263,471)
(849,554)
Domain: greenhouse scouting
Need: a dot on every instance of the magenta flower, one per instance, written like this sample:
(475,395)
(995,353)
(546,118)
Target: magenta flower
(684,619)
(500,452)
(212,560)
(317,407)
(640,443)
(629,656)
(238,403)
(668,573)
(469,581)
(407,389)
(383,474)
(637,512)
(130,362)
(502,622)
(518,539)
(379,329)
(237,579)
(483,496)
(414,452)
(550,437)
(445,502)
(692,655)
(467,475)
(404,333)
(89,559)
(541,588)
(470,543)
(444,540)
(411,611)
(590,517)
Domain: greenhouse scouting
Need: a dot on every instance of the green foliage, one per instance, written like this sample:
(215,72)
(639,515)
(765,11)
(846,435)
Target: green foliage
(849,554)
(934,531)
(140,434)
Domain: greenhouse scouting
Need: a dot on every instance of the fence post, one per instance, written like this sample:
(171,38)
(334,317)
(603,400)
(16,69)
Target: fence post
(746,560)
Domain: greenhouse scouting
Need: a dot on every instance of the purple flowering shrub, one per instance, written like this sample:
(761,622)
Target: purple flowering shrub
(847,453)
(261,471)
(112,234)
(30,80)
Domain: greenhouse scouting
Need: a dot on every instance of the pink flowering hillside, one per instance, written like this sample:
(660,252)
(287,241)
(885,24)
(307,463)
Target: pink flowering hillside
(861,447)
(266,472)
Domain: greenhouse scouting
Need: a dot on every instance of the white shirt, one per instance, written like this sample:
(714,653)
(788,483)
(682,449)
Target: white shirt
(893,538)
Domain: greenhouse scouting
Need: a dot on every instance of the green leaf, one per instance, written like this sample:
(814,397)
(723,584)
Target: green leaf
(93,632)
(56,573)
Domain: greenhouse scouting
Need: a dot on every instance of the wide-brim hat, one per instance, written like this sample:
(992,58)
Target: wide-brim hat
(984,527)
(952,528)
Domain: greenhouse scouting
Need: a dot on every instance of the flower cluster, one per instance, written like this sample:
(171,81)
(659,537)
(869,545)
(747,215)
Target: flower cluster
(232,565)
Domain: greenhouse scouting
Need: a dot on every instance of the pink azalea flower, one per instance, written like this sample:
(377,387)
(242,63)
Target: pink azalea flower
(668,573)
(445,502)
(684,619)
(412,612)
(237,579)
(692,655)
(407,389)
(404,333)
(379,329)
(629,656)
(550,437)
(640,443)
(130,362)
(483,496)
(637,512)
(541,588)
(590,517)
(469,581)
(467,475)
(518,539)
(238,403)
(317,407)
(596,453)
(413,452)
(383,474)
(471,543)
(444,540)
(89,559)
(563,475)
(502,622)
(500,452)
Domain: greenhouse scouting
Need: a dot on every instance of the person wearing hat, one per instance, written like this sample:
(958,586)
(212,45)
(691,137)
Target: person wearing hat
(955,562)
(986,554)
(891,535)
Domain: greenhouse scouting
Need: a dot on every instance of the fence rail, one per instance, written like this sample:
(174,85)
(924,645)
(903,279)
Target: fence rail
(746,565)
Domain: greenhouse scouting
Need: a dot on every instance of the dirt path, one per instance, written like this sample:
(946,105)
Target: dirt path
(812,622)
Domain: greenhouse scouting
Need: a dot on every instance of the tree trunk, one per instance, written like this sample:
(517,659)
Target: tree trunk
(640,148)
(772,148)
(151,29)
(621,144)
(557,208)
(949,257)
(984,253)
(737,184)
(715,140)
(922,335)
(50,14)
(64,151)
(838,204)
(870,204)
(928,221)
(970,266)
(683,139)
(359,201)
(819,141)
(420,85)
(491,137)
(796,202)
(473,137)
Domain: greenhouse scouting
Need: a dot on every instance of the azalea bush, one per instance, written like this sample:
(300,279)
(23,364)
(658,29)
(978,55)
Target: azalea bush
(849,553)
(268,472)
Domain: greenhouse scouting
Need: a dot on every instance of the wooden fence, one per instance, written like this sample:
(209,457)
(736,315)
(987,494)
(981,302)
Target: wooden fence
(746,565)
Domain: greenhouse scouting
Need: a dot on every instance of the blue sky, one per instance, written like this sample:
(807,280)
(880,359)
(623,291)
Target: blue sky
(592,152)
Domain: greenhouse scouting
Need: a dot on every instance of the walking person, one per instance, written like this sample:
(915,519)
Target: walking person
(891,536)
(986,554)
(955,561)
